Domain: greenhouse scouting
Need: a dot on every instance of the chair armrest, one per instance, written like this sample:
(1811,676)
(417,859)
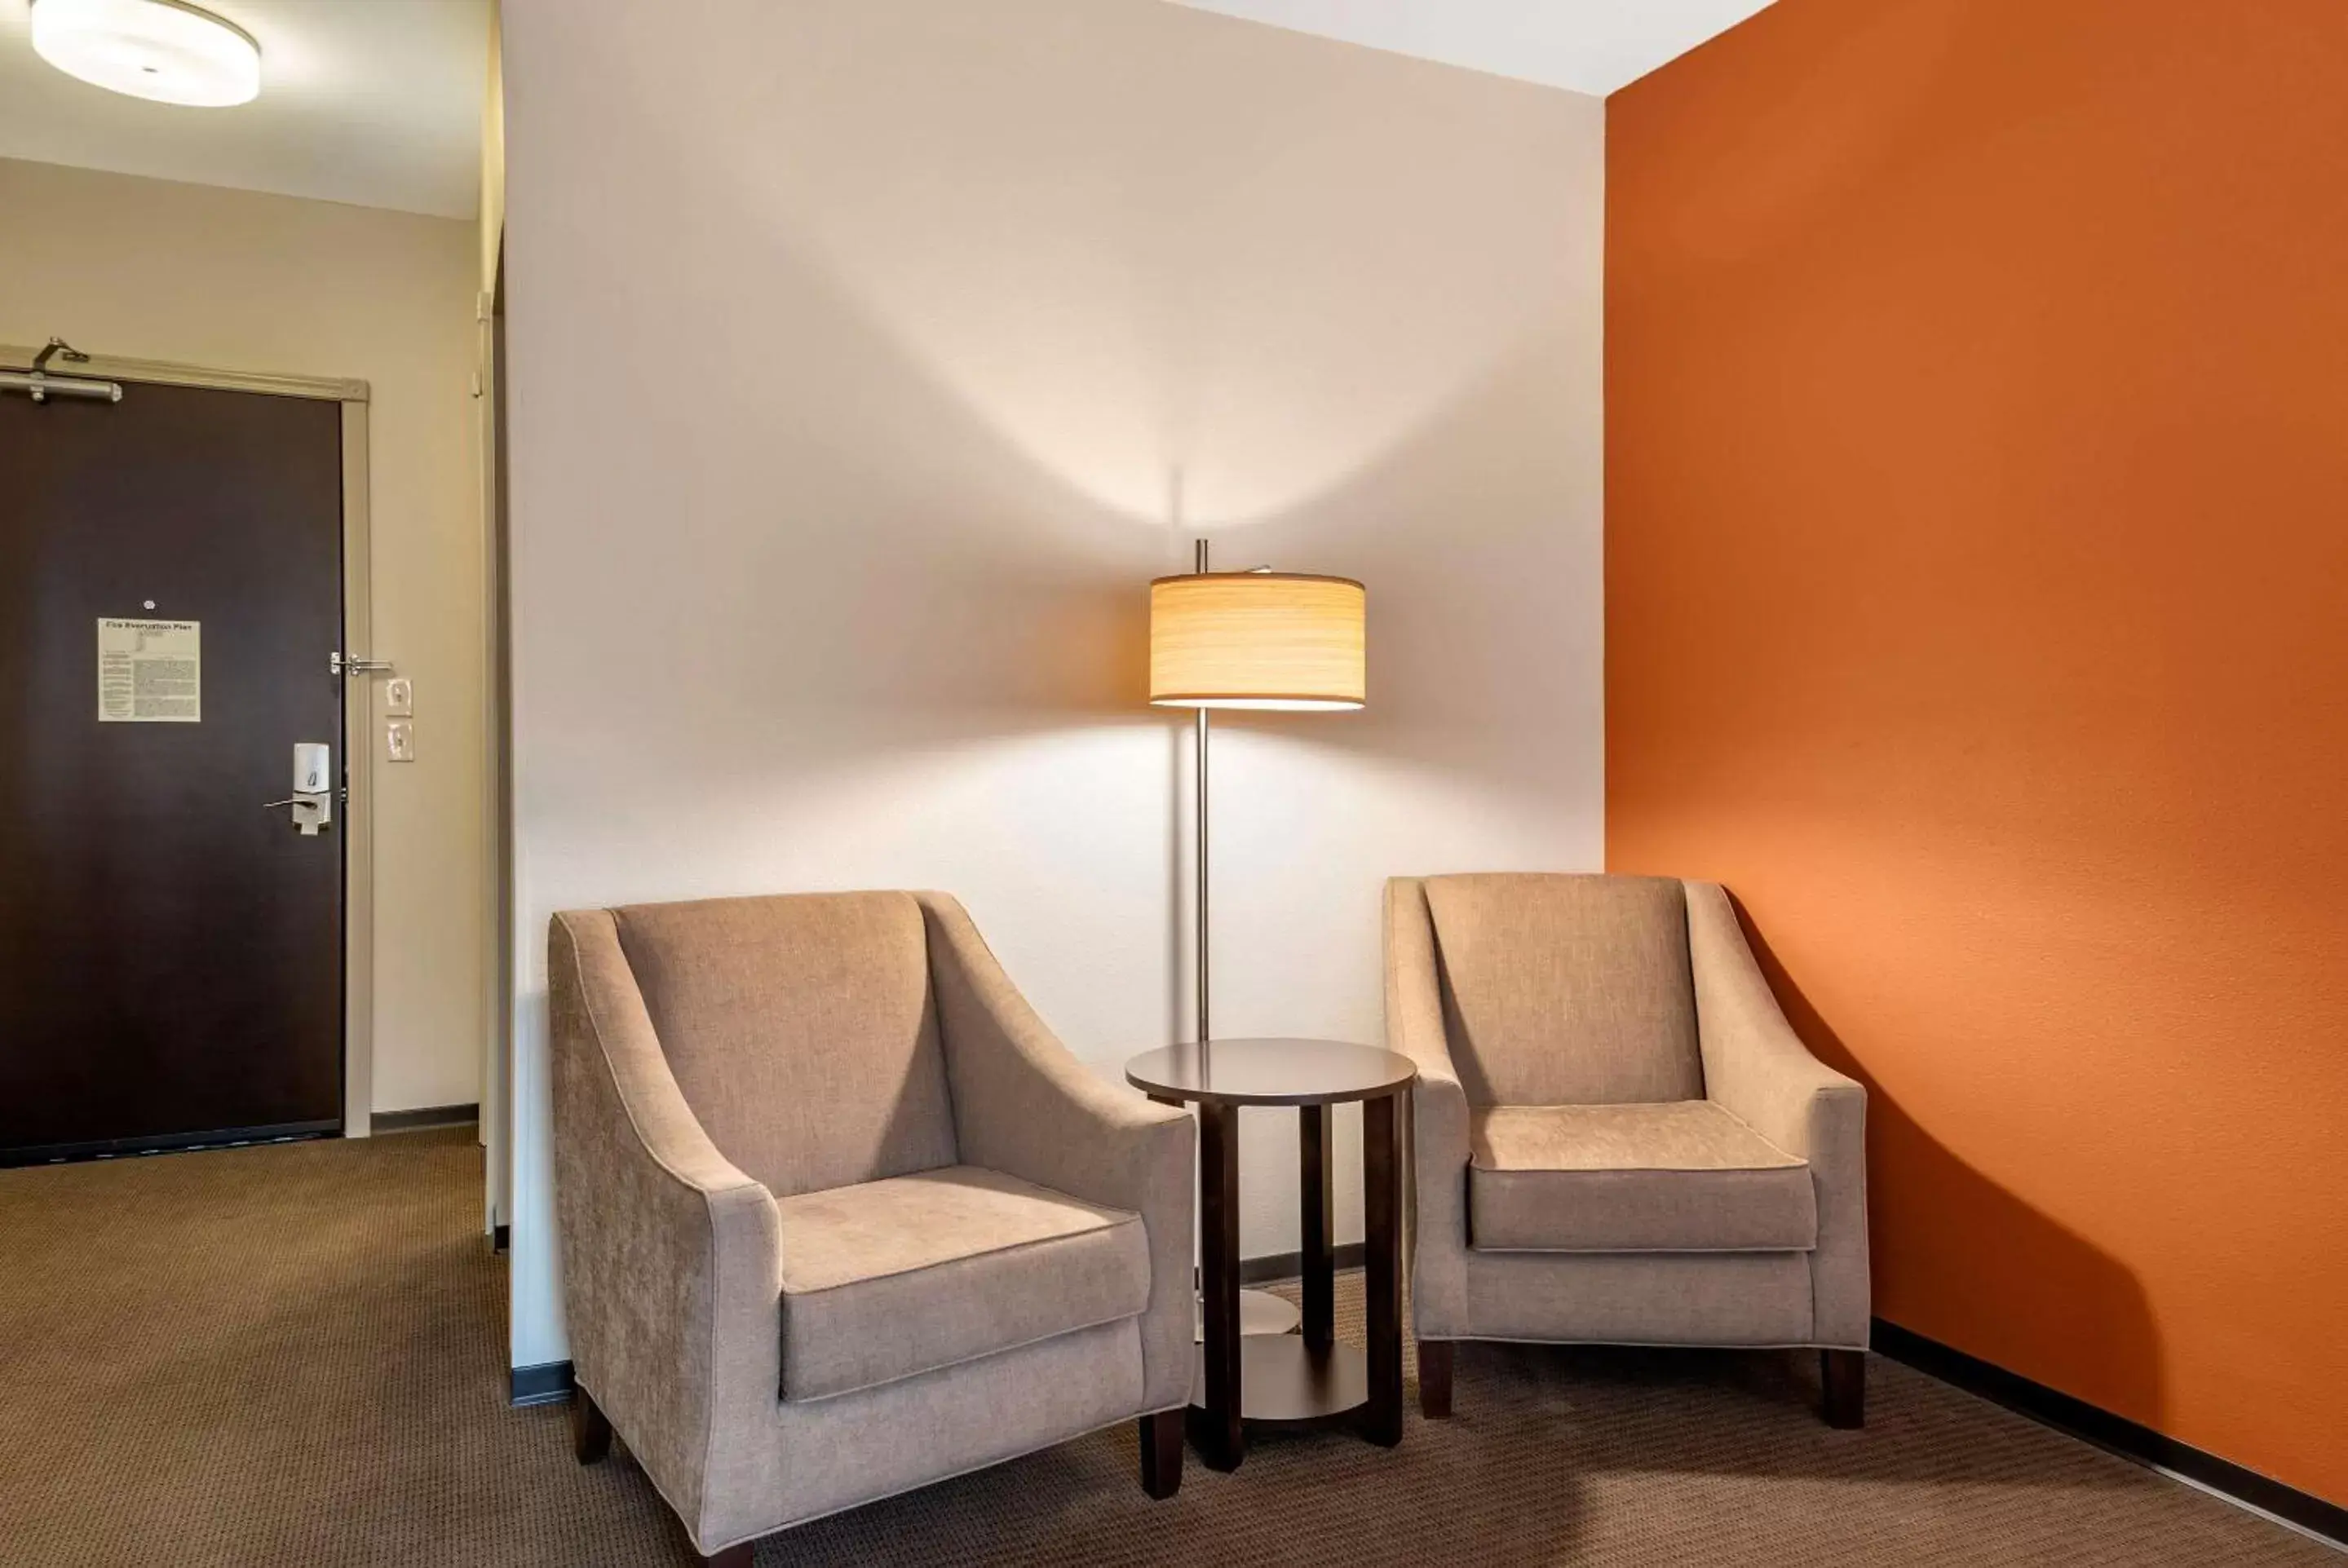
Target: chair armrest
(671,1257)
(1758,1070)
(1024,1105)
(1754,1063)
(1438,1134)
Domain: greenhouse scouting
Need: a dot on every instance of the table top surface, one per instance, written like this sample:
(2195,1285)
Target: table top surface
(1271,1072)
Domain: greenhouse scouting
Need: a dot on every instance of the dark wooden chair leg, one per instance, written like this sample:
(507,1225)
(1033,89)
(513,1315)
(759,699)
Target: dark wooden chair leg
(735,1556)
(590,1434)
(1435,1380)
(1161,1454)
(1844,1374)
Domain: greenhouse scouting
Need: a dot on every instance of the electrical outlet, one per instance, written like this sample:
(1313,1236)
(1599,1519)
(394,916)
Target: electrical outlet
(399,697)
(399,741)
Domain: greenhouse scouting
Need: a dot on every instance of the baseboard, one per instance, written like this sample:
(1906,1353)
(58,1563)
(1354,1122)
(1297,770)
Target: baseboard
(423,1116)
(167,1143)
(2302,1510)
(1275,1266)
(548,1383)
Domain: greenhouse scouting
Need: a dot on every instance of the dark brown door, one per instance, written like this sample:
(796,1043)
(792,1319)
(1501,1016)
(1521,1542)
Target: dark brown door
(170,951)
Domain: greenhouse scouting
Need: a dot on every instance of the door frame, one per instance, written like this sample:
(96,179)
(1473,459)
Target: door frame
(495,1125)
(358,693)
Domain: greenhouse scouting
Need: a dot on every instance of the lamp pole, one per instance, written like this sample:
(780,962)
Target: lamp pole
(1198,565)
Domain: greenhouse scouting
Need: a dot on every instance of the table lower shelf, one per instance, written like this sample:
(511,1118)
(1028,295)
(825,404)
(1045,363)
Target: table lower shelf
(1260,1312)
(1285,1382)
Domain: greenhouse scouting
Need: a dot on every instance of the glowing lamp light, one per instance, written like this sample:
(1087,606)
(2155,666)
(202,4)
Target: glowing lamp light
(1284,642)
(157,49)
(1278,640)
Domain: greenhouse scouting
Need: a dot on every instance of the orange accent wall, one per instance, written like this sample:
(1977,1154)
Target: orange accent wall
(1977,610)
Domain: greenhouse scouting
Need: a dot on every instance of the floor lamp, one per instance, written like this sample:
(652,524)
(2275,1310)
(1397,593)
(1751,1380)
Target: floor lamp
(1261,640)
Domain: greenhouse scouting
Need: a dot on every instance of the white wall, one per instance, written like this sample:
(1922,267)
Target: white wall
(233,280)
(854,346)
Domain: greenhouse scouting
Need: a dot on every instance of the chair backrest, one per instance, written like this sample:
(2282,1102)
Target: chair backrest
(801,1030)
(1566,990)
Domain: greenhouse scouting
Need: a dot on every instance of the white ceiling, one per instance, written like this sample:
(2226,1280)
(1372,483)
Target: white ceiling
(376,102)
(1589,45)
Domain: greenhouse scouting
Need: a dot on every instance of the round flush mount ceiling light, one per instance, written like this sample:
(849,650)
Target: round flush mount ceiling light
(157,49)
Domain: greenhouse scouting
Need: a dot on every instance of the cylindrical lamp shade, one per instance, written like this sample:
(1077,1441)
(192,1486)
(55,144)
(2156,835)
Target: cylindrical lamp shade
(1257,639)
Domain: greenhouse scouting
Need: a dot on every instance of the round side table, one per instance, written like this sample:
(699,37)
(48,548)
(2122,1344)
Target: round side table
(1286,1380)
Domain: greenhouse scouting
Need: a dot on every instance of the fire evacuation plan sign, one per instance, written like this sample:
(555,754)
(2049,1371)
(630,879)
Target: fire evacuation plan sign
(150,671)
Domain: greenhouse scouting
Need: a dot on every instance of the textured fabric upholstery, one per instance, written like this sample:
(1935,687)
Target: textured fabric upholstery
(1025,1106)
(821,1457)
(1438,1116)
(886,1279)
(1757,1068)
(1566,990)
(1589,1174)
(1744,1298)
(670,1254)
(1685,1176)
(801,1030)
(684,1297)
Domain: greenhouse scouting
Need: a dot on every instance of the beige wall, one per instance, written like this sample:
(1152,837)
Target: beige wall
(493,156)
(850,364)
(152,268)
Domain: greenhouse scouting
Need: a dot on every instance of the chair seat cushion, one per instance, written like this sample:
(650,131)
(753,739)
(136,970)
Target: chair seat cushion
(1681,1176)
(891,1278)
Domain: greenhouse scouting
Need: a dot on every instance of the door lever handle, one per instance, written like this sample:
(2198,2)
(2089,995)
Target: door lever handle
(312,813)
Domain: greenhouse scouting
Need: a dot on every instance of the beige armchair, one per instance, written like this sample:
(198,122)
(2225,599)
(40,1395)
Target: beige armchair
(840,1217)
(1617,1140)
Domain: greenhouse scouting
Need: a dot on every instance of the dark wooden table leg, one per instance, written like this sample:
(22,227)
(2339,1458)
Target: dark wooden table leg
(1382,1264)
(1317,1260)
(1217,1428)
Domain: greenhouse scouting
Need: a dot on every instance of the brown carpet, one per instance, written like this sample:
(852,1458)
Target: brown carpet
(295,1355)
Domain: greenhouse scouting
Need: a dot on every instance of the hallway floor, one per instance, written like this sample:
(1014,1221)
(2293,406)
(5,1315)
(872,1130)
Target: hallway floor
(293,1356)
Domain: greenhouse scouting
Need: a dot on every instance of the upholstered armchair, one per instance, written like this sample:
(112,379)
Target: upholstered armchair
(840,1217)
(1617,1138)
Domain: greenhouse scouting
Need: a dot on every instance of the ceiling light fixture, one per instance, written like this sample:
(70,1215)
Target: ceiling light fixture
(157,49)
